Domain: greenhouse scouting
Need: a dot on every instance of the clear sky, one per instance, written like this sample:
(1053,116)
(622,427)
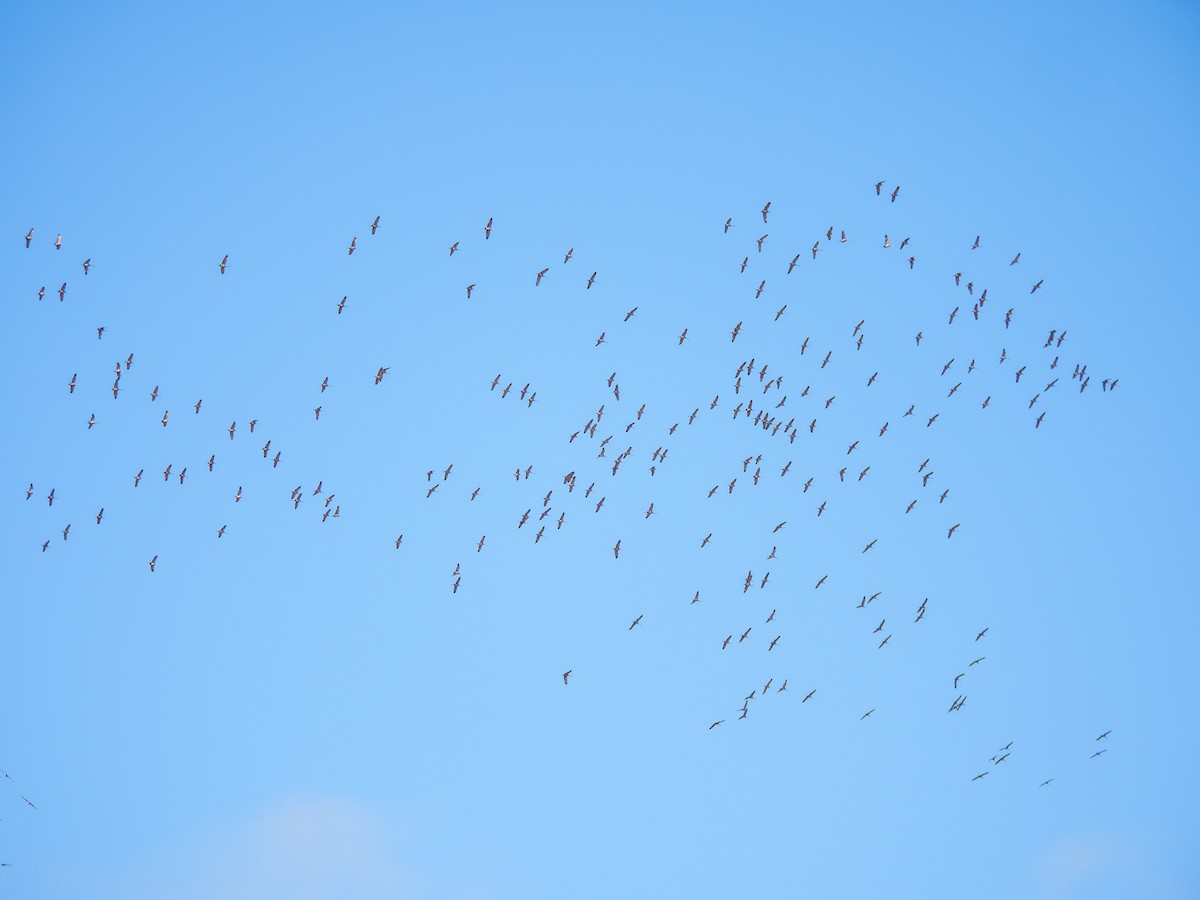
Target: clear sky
(299,709)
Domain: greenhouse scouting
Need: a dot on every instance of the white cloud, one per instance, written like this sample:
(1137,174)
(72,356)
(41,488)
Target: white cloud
(298,850)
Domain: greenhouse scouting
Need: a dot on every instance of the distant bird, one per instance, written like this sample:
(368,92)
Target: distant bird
(1103,736)
(153,562)
(591,280)
(566,675)
(28,238)
(375,225)
(353,246)
(470,287)
(487,229)
(728,224)
(950,533)
(765,210)
(569,254)
(224,263)
(454,248)
(1036,286)
(540,276)
(635,622)
(616,547)
(867,713)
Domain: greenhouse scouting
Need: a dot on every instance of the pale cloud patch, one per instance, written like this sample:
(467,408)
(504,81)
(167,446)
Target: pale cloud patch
(1073,868)
(297,850)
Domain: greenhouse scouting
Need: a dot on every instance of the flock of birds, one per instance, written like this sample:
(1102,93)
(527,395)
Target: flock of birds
(755,398)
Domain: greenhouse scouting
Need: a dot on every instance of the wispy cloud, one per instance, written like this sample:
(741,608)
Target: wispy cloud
(297,850)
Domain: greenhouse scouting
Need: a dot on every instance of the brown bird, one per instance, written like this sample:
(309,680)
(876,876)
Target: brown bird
(375,225)
(353,246)
(224,263)
(569,254)
(950,533)
(765,209)
(453,248)
(616,548)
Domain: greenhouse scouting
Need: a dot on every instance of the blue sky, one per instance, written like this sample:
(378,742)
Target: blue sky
(299,709)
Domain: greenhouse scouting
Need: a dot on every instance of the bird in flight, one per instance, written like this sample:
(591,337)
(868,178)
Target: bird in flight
(375,225)
(224,263)
(487,229)
(950,533)
(540,276)
(566,675)
(353,246)
(635,623)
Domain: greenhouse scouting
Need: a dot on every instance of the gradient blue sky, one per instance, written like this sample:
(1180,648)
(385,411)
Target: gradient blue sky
(300,710)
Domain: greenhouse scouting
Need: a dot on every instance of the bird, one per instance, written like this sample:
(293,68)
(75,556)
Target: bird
(981,634)
(353,246)
(62,291)
(487,229)
(808,695)
(760,242)
(375,225)
(569,254)
(224,263)
(867,713)
(1103,736)
(540,276)
(591,280)
(470,287)
(28,238)
(153,562)
(221,531)
(635,622)
(1036,286)
(950,533)
(765,209)
(715,724)
(341,305)
(566,675)
(616,547)
(453,248)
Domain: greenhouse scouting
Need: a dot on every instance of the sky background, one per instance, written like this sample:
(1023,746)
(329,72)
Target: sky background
(299,709)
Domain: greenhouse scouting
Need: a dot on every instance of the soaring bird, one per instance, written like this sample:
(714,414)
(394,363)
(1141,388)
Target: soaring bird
(765,210)
(28,238)
(540,276)
(153,562)
(375,225)
(635,622)
(470,287)
(569,254)
(950,533)
(616,549)
(567,674)
(454,248)
(591,281)
(224,263)
(487,229)
(353,246)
